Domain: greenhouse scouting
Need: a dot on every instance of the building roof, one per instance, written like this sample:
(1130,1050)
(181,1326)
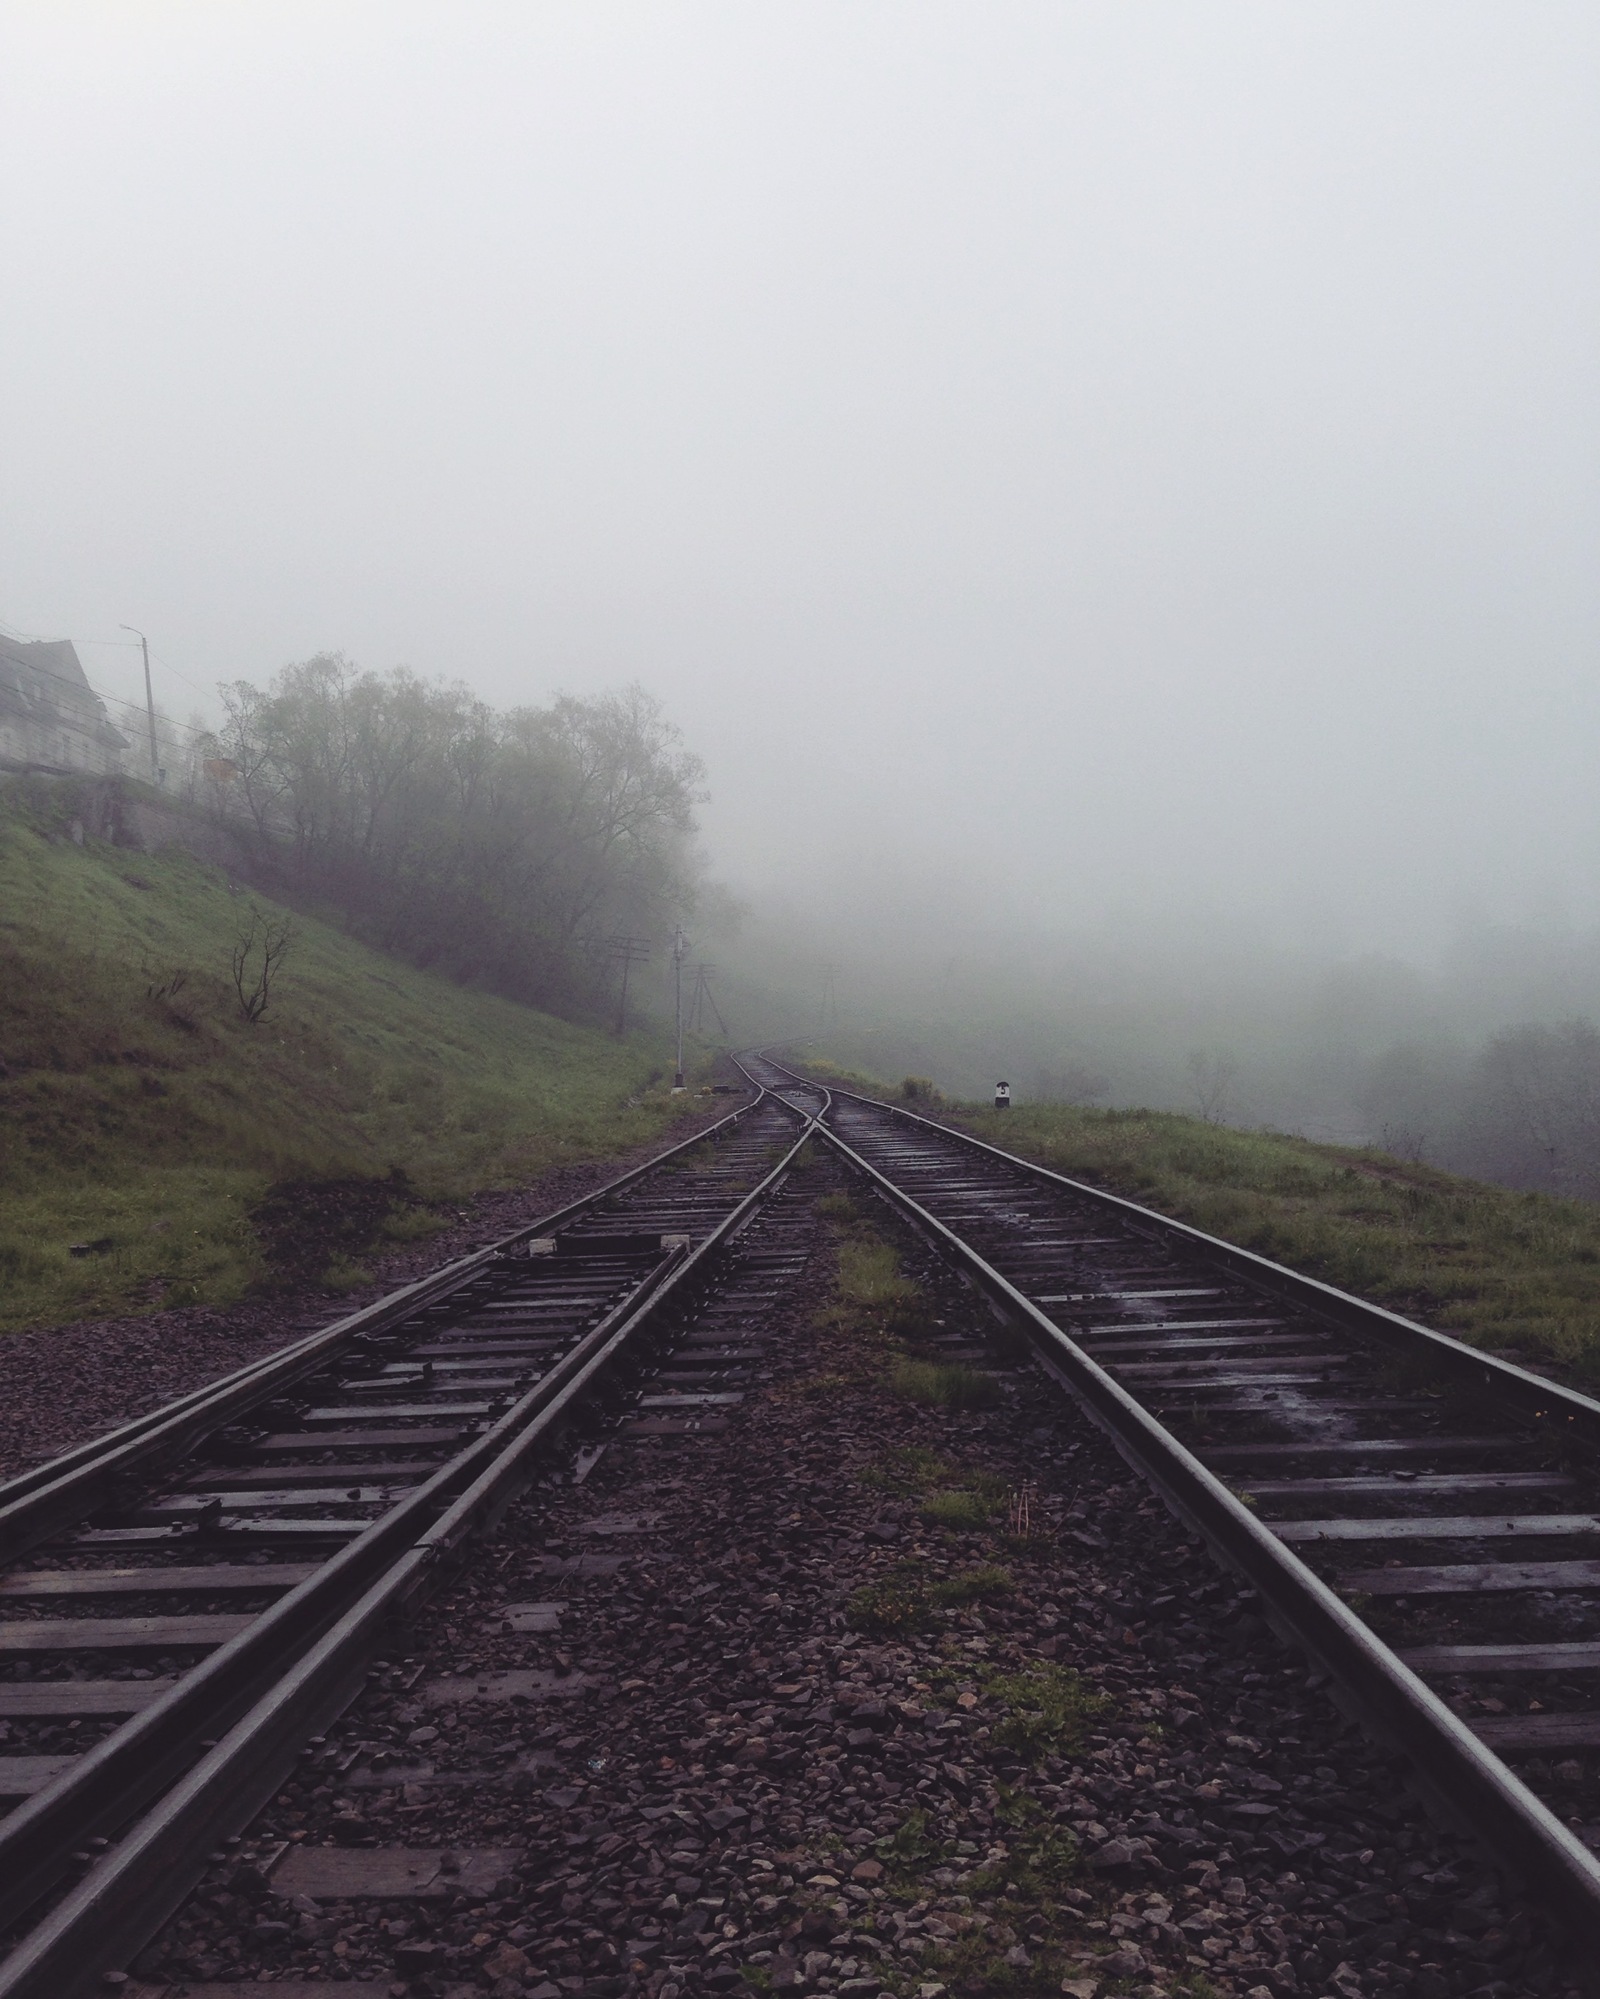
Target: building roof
(42,680)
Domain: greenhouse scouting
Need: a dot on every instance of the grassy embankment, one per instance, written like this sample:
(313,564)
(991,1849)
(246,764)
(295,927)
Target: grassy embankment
(140,1112)
(1516,1273)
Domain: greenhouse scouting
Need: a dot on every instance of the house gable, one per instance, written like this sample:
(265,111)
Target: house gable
(50,717)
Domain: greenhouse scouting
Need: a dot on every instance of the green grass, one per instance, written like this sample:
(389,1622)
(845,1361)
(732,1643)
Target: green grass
(1500,1268)
(909,1469)
(869,1275)
(1043,1857)
(873,1302)
(140,1111)
(913,1470)
(957,1509)
(1505,1270)
(907,1598)
(944,1384)
(1045,1710)
(1034,1865)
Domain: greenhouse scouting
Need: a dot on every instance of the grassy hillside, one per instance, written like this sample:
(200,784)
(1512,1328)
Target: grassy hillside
(1518,1273)
(141,1112)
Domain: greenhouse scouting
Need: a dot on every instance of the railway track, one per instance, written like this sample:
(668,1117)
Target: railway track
(1422,1518)
(189,1599)
(192,1598)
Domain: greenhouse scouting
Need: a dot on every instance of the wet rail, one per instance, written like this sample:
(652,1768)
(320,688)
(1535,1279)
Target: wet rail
(186,1601)
(1424,1519)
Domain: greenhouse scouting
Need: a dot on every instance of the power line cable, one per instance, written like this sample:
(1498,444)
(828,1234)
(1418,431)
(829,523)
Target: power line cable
(114,700)
(161,660)
(130,645)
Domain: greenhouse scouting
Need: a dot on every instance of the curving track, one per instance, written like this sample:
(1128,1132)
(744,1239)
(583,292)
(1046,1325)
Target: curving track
(1422,1518)
(190,1598)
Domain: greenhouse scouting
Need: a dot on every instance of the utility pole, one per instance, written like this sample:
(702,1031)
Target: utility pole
(679,946)
(149,702)
(702,999)
(627,952)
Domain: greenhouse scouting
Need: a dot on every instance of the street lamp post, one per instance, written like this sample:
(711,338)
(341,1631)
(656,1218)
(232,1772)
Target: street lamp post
(149,702)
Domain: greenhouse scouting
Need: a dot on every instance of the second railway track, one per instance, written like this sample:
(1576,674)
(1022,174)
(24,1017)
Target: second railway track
(1422,1517)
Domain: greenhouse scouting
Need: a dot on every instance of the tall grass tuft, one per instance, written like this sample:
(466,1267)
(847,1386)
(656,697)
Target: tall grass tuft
(944,1385)
(957,1509)
(869,1274)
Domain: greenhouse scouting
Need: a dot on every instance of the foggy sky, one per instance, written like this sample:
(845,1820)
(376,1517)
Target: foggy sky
(1131,465)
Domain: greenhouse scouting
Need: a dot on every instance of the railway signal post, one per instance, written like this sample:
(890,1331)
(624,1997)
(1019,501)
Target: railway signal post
(679,947)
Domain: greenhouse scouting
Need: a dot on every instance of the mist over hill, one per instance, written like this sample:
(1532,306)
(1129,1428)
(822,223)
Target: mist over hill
(1108,494)
(1480,1058)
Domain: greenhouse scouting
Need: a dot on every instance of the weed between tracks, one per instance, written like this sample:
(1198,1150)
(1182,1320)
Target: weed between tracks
(958,1509)
(887,1316)
(1033,1872)
(944,1384)
(1036,1872)
(908,1597)
(910,1470)
(870,1278)
(1044,1710)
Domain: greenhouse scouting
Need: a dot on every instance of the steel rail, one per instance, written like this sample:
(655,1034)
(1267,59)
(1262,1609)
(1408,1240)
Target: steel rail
(100,1790)
(110,1782)
(40,1502)
(1448,1758)
(1518,1387)
(125,1897)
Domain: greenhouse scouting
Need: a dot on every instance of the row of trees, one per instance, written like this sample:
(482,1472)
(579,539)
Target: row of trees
(512,850)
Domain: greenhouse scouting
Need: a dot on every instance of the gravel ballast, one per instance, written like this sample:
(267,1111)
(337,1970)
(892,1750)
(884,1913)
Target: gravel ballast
(861,1695)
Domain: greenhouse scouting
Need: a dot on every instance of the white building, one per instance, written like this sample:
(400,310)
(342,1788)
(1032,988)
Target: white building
(50,717)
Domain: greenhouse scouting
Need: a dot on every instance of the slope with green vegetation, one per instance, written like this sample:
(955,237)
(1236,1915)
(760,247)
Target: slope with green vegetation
(143,1117)
(1514,1272)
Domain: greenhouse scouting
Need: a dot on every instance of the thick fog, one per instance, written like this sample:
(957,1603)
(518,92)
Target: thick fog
(1110,492)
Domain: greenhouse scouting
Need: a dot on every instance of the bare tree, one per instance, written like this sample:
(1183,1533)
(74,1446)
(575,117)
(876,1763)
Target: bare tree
(259,950)
(1211,1075)
(1401,1141)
